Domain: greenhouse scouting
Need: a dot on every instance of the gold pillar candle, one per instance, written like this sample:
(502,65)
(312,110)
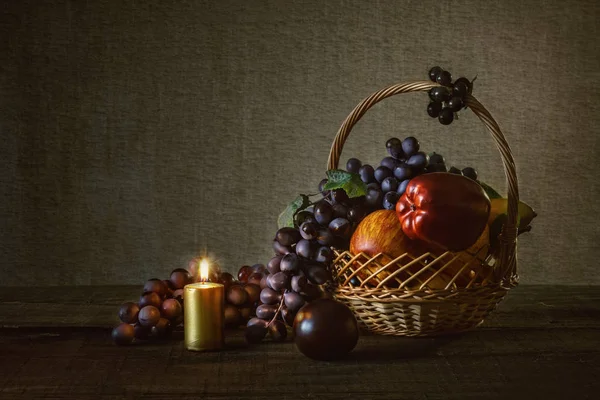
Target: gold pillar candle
(203,304)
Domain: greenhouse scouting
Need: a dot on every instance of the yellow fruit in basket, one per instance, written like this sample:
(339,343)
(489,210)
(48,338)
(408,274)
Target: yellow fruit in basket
(381,232)
(499,206)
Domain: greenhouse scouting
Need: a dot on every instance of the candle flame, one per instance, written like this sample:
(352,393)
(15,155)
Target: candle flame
(203,270)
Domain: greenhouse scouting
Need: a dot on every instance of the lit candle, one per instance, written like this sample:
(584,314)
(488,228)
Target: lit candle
(203,304)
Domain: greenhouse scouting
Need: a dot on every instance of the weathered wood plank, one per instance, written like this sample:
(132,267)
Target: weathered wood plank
(481,364)
(96,306)
(542,342)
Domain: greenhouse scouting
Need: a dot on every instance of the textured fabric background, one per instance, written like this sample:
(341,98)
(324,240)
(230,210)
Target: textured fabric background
(137,134)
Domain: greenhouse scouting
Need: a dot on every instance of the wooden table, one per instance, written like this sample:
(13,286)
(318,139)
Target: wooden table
(543,342)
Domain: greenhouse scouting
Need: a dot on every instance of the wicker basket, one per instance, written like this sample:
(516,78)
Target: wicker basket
(403,296)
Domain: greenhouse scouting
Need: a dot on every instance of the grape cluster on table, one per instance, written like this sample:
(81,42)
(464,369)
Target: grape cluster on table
(160,307)
(449,98)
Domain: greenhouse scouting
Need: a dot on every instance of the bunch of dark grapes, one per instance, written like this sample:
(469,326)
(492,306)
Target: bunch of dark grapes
(158,311)
(449,98)
(243,296)
(160,307)
(296,272)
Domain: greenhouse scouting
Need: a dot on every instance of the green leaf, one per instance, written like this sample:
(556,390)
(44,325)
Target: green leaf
(349,182)
(286,218)
(491,192)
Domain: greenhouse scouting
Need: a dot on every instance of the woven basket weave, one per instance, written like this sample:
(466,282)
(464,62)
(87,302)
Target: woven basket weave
(428,294)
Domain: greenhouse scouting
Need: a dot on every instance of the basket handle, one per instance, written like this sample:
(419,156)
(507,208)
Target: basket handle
(508,235)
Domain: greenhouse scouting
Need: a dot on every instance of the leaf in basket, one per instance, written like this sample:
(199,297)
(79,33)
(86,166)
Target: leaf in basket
(349,182)
(491,192)
(286,218)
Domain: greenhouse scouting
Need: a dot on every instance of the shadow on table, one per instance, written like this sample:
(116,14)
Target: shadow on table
(388,348)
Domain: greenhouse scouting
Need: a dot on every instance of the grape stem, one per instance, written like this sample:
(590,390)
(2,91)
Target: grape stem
(276,312)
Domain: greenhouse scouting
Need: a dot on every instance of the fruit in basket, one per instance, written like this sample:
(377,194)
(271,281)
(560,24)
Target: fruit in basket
(444,209)
(325,330)
(381,232)
(499,206)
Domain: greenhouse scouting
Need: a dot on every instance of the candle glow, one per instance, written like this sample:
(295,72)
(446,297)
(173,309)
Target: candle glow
(203,270)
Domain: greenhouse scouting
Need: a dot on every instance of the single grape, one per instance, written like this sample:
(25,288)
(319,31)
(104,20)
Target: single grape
(171,309)
(253,291)
(255,278)
(304,216)
(288,316)
(390,199)
(321,187)
(179,278)
(279,249)
(436,168)
(162,329)
(410,146)
(434,108)
(305,248)
(309,230)
(287,236)
(226,279)
(123,334)
(293,301)
(434,73)
(418,161)
(373,198)
(353,165)
(279,281)
(245,271)
(246,313)
(256,330)
(454,170)
(323,212)
(150,299)
(260,268)
(340,227)
(149,316)
(367,173)
(402,186)
(274,264)
(178,295)
(355,281)
(446,116)
(389,184)
(444,78)
(317,274)
(324,254)
(277,331)
(374,185)
(236,295)
(263,282)
(394,148)
(232,316)
(155,285)
(339,210)
(470,172)
(439,94)
(382,172)
(402,172)
(460,89)
(128,312)
(325,237)
(389,162)
(455,103)
(299,282)
(266,311)
(356,213)
(290,263)
(338,196)
(270,296)
(463,81)
(436,158)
